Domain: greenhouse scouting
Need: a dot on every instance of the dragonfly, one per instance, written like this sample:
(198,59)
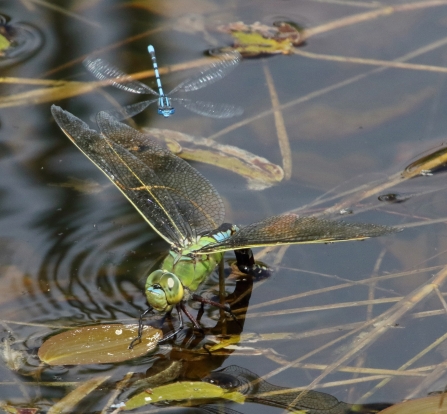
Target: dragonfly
(184,208)
(103,70)
(255,389)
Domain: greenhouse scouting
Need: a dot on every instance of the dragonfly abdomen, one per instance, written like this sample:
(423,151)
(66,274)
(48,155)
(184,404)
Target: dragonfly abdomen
(151,51)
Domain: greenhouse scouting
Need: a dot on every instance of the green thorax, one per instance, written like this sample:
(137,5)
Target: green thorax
(182,271)
(192,269)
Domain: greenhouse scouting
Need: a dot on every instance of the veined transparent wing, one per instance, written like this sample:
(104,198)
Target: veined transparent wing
(213,73)
(293,229)
(194,197)
(130,111)
(176,200)
(104,70)
(210,109)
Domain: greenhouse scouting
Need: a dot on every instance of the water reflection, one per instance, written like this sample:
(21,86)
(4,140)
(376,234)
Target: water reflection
(257,390)
(188,363)
(92,280)
(260,391)
(189,360)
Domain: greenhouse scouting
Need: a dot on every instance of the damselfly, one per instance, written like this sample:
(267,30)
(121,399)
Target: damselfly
(103,70)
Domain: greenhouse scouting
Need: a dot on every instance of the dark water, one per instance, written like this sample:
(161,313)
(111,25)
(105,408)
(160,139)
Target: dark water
(75,252)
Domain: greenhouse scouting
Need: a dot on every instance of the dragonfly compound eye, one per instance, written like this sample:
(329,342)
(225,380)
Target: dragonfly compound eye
(163,290)
(172,287)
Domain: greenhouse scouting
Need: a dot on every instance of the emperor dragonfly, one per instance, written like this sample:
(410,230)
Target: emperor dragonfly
(186,210)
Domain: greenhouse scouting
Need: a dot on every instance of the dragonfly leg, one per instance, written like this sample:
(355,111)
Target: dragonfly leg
(200,312)
(180,326)
(191,318)
(225,306)
(140,327)
(246,264)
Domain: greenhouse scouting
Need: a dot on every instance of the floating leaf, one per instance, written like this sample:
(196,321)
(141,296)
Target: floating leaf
(182,391)
(258,39)
(259,172)
(98,344)
(428,405)
(426,164)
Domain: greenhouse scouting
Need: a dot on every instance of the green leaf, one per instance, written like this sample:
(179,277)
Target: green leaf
(182,391)
(98,344)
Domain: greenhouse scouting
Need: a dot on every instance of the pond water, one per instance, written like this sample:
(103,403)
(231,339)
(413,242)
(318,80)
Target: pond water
(358,101)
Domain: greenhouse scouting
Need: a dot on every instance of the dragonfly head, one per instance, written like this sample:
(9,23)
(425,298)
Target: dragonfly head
(165,107)
(163,290)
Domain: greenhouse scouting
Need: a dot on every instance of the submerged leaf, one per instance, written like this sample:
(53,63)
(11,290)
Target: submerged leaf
(13,359)
(163,372)
(18,410)
(60,90)
(259,172)
(67,404)
(182,391)
(87,186)
(98,344)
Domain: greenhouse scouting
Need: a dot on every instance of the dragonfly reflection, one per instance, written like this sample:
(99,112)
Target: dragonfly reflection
(257,390)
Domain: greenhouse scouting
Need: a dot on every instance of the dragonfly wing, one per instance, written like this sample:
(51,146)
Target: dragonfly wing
(293,229)
(129,111)
(141,186)
(104,70)
(210,109)
(184,197)
(211,74)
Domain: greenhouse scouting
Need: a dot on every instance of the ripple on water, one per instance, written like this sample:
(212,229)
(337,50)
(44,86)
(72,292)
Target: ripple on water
(18,41)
